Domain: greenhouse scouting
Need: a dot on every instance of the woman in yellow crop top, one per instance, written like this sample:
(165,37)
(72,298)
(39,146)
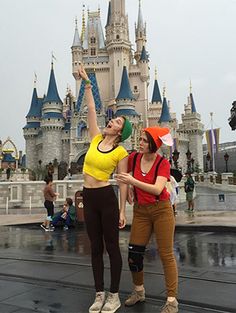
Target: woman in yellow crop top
(103,217)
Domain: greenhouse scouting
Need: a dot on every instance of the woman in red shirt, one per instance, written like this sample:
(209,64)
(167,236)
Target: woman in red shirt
(152,212)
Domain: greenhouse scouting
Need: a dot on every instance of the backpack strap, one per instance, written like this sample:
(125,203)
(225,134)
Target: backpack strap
(156,172)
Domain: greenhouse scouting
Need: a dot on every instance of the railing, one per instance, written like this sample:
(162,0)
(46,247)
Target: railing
(232,180)
(219,179)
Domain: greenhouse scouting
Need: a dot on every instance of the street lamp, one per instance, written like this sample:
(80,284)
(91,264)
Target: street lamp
(188,156)
(226,157)
(175,157)
(208,158)
(192,162)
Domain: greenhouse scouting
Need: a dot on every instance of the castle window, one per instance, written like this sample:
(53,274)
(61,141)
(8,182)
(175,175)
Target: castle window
(93,40)
(117,37)
(93,51)
(118,63)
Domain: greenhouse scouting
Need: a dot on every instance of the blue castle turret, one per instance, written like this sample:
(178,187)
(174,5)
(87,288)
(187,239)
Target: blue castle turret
(52,122)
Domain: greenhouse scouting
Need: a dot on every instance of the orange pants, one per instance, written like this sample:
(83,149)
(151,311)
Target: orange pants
(157,218)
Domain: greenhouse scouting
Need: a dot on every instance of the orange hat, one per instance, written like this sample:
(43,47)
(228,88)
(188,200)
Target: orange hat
(160,135)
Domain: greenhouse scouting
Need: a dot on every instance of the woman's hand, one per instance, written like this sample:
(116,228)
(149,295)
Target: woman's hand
(125,178)
(82,73)
(122,220)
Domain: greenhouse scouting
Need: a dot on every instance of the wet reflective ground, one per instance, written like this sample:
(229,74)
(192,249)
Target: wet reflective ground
(193,249)
(38,268)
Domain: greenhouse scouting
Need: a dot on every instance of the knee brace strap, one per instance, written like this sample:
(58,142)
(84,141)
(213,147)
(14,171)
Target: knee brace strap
(135,257)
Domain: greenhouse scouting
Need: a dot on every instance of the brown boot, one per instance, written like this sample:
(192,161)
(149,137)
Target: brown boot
(170,307)
(135,297)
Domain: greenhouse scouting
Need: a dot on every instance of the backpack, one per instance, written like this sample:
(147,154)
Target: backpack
(188,187)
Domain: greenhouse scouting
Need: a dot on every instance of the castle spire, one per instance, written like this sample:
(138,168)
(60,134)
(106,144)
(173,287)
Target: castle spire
(125,90)
(193,107)
(83,25)
(76,40)
(109,14)
(156,95)
(165,113)
(140,25)
(52,94)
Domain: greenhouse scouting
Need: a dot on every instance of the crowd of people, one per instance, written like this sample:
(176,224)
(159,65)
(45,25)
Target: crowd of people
(145,181)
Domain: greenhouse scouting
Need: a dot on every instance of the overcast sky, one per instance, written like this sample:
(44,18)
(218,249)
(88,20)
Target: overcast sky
(187,39)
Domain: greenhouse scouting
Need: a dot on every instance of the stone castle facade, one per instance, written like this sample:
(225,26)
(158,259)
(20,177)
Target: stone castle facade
(120,77)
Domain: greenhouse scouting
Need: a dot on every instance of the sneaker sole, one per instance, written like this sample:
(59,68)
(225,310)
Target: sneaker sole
(139,301)
(113,311)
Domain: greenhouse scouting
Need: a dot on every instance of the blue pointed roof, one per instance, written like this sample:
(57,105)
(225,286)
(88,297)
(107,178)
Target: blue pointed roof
(95,91)
(144,55)
(108,14)
(192,104)
(35,107)
(52,94)
(125,91)
(156,96)
(165,113)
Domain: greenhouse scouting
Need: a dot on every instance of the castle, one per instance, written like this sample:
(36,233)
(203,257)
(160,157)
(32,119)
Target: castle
(120,77)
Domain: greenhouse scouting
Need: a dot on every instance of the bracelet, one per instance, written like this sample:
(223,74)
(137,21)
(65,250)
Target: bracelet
(87,82)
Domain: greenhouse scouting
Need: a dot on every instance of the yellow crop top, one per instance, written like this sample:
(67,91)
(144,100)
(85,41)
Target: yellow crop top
(99,164)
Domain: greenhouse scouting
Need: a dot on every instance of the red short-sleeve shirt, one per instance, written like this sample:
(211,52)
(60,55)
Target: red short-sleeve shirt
(144,197)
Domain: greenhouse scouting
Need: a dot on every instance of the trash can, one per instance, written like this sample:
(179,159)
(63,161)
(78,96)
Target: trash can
(79,206)
(221,197)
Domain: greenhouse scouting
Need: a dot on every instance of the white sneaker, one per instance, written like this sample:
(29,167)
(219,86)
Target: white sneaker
(98,302)
(112,303)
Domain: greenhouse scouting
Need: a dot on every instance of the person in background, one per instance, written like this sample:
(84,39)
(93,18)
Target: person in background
(103,216)
(189,189)
(49,197)
(66,215)
(173,189)
(152,212)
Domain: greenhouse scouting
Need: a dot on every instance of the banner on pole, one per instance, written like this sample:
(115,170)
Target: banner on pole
(213,139)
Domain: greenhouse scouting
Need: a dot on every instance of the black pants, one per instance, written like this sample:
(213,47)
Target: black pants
(101,212)
(49,206)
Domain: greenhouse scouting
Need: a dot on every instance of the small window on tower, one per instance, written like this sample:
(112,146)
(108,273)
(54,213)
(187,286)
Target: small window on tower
(93,51)
(117,37)
(135,88)
(93,40)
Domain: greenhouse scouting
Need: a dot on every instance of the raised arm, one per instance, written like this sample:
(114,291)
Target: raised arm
(92,116)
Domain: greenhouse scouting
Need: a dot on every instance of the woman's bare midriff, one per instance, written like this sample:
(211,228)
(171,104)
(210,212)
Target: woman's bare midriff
(91,182)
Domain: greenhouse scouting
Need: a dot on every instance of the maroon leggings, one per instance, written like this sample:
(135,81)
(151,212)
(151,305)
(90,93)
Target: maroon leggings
(101,212)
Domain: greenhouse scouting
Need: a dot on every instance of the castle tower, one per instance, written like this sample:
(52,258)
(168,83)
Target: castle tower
(140,34)
(192,126)
(125,106)
(117,43)
(52,123)
(32,128)
(76,51)
(155,107)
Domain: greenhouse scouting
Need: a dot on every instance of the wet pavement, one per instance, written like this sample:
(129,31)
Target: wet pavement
(51,272)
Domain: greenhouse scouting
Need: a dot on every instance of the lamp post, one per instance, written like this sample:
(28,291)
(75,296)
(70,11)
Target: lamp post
(175,157)
(226,157)
(208,158)
(188,156)
(192,162)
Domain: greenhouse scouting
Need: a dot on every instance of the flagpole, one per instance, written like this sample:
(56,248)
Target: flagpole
(212,143)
